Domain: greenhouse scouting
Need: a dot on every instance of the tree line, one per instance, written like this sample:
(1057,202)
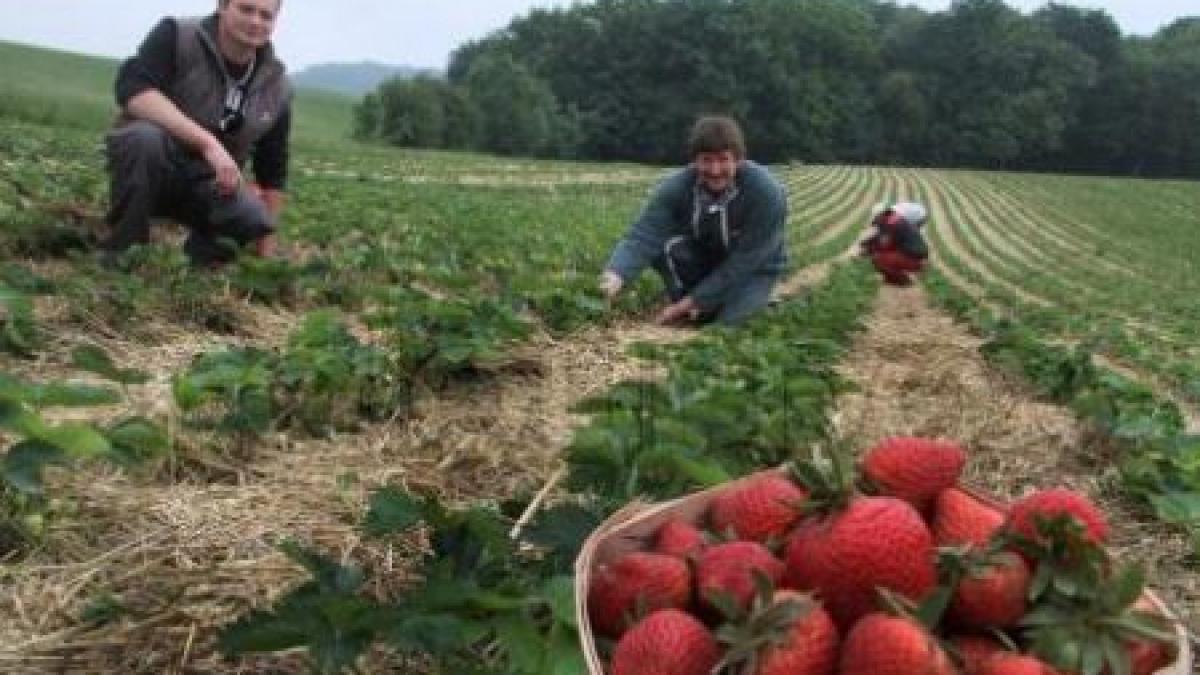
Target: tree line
(978,85)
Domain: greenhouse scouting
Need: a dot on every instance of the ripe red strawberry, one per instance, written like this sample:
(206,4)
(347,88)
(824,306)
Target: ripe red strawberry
(679,538)
(757,508)
(914,469)
(1147,657)
(961,519)
(729,568)
(636,581)
(810,646)
(974,650)
(1051,503)
(1008,663)
(887,645)
(876,542)
(667,642)
(994,597)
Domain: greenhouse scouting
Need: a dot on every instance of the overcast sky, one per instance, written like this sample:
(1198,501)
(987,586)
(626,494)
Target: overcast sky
(402,32)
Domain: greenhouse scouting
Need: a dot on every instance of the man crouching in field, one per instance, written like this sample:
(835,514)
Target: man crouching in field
(714,231)
(200,97)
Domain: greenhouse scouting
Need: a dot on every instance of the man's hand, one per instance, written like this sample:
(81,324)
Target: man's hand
(271,198)
(266,246)
(611,284)
(678,312)
(228,175)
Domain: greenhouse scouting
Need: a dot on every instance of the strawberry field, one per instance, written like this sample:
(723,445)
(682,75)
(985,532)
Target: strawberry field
(384,452)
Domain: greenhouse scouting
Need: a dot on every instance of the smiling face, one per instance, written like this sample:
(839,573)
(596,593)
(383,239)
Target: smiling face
(246,25)
(716,170)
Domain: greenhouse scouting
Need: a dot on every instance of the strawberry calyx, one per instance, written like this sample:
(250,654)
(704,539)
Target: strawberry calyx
(829,476)
(764,623)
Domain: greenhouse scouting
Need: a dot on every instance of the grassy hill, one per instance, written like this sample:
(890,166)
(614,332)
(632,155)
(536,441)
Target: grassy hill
(59,88)
(352,79)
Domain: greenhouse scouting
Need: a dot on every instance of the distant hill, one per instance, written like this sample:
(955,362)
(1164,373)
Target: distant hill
(59,88)
(354,79)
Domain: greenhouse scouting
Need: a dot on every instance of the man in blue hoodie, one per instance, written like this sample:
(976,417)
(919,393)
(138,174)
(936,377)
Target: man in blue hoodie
(713,230)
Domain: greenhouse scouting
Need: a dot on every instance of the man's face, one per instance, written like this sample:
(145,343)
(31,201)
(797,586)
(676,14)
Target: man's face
(716,169)
(248,23)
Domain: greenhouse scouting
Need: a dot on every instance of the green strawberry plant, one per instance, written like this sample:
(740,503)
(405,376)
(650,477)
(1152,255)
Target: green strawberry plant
(438,337)
(482,602)
(19,332)
(327,378)
(229,391)
(38,442)
(734,401)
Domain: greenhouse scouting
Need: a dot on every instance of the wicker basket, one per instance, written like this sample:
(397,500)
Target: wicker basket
(633,529)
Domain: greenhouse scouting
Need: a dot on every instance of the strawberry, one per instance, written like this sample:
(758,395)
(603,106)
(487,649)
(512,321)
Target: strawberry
(679,538)
(1147,657)
(914,469)
(758,508)
(729,569)
(783,633)
(880,644)
(1008,663)
(960,518)
(993,595)
(876,542)
(1046,504)
(974,650)
(667,642)
(636,582)
(809,647)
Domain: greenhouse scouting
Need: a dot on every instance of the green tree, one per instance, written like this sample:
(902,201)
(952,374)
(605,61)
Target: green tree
(519,114)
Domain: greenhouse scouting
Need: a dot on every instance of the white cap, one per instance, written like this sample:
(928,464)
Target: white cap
(913,213)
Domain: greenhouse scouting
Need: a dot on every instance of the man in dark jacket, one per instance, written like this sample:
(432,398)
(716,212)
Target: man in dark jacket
(713,230)
(896,248)
(200,98)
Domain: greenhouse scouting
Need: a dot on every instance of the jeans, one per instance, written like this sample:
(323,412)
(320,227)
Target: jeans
(153,175)
(684,264)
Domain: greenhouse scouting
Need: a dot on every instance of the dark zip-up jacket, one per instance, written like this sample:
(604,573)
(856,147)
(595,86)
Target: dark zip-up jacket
(180,58)
(748,236)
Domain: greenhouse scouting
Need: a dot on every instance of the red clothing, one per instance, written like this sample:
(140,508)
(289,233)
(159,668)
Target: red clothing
(895,266)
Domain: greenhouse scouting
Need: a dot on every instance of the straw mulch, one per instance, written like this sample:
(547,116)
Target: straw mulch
(185,551)
(921,373)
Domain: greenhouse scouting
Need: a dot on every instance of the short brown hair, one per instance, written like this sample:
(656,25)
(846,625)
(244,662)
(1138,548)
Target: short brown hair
(716,133)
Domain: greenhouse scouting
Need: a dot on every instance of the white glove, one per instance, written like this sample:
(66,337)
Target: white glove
(611,284)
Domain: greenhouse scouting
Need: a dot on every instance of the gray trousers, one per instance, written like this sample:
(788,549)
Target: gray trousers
(153,176)
(684,264)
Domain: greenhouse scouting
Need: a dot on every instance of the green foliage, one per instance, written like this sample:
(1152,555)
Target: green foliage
(439,337)
(229,391)
(324,614)
(42,443)
(328,378)
(734,401)
(482,603)
(94,359)
(38,443)
(19,334)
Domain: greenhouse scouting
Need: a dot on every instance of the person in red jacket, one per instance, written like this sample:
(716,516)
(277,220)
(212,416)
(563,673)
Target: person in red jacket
(896,248)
